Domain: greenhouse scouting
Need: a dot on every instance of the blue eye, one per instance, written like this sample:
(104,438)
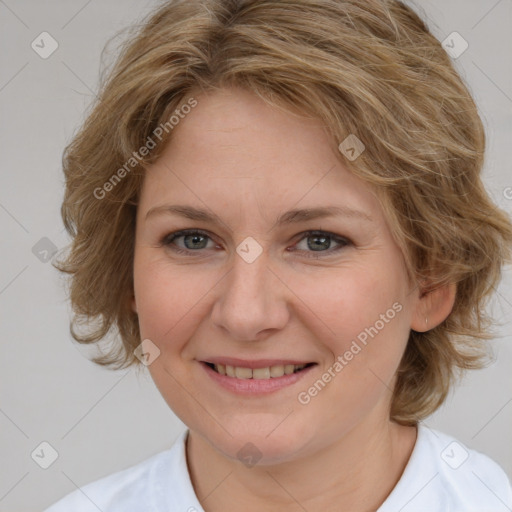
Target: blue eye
(322,240)
(191,238)
(195,241)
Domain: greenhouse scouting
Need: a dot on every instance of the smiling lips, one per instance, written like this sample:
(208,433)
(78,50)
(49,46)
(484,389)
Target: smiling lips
(267,372)
(255,377)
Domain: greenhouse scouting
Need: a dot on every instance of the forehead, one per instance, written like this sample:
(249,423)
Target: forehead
(233,150)
(236,124)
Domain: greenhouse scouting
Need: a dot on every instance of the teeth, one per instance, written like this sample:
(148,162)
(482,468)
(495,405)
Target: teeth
(243,373)
(277,371)
(288,369)
(258,373)
(261,373)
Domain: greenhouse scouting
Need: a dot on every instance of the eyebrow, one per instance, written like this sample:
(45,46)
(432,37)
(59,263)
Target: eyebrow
(290,217)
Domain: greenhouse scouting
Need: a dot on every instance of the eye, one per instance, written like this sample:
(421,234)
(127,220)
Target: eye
(195,240)
(321,240)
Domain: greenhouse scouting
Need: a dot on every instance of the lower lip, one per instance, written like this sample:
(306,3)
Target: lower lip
(255,386)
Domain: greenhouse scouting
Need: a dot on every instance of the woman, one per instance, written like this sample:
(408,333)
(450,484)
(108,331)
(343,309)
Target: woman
(279,206)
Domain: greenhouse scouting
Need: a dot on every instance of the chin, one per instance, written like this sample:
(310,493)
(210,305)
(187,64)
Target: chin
(260,442)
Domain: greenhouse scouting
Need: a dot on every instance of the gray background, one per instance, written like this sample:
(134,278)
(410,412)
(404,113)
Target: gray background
(101,421)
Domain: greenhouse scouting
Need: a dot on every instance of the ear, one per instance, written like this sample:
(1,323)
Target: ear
(433,307)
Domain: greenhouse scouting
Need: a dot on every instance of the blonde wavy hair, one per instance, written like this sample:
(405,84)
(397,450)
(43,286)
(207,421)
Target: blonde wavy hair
(368,68)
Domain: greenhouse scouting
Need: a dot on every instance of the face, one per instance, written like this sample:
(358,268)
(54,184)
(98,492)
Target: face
(254,291)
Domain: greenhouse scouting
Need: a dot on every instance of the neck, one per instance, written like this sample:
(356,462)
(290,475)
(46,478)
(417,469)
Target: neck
(356,474)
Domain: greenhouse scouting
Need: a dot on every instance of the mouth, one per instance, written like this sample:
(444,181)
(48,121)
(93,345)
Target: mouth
(255,378)
(263,373)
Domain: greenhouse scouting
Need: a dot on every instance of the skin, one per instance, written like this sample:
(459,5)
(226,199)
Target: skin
(248,163)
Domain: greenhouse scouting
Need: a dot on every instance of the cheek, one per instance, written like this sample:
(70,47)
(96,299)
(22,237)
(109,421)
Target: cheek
(170,300)
(344,301)
(361,315)
(371,334)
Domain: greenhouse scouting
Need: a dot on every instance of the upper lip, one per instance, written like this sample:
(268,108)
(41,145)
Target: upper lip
(253,363)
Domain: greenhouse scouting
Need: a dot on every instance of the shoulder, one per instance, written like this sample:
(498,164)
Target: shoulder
(445,474)
(465,468)
(131,489)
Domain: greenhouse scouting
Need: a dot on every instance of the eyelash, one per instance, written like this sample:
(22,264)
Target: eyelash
(168,239)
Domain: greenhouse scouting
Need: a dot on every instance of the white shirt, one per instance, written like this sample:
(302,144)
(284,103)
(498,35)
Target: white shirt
(442,475)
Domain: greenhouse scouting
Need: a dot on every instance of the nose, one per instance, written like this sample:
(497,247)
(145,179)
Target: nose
(252,301)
